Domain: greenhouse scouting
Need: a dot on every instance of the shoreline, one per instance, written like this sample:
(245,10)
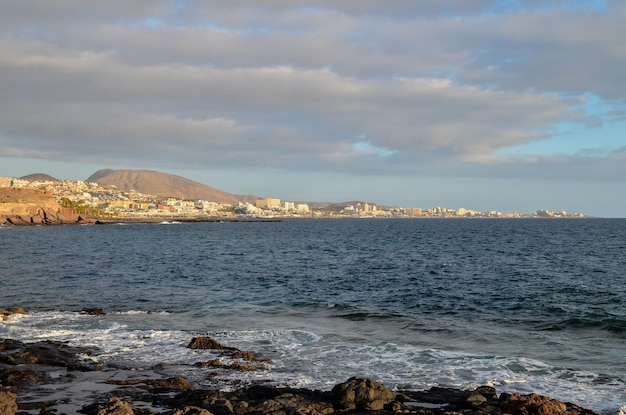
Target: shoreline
(9,221)
(45,377)
(68,390)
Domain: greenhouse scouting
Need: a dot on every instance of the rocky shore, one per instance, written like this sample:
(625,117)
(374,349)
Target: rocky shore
(48,377)
(22,206)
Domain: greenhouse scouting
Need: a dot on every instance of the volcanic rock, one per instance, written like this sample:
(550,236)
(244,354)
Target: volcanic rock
(22,206)
(114,406)
(51,353)
(5,313)
(535,404)
(177,383)
(8,403)
(362,394)
(191,410)
(19,378)
(206,343)
(95,311)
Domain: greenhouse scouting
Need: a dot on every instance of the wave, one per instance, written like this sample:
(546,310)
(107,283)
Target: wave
(614,325)
(137,312)
(305,358)
(355,315)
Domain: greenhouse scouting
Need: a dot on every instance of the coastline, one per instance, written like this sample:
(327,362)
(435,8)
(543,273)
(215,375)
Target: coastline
(53,377)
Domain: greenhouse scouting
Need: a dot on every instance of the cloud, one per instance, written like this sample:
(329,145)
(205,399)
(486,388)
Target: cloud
(393,87)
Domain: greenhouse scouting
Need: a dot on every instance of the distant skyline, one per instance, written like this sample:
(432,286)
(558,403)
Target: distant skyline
(483,104)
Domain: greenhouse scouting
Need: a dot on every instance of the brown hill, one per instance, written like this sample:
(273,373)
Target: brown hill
(39,176)
(164,185)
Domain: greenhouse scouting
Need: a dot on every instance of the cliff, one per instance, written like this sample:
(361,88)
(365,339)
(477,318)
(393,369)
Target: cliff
(21,206)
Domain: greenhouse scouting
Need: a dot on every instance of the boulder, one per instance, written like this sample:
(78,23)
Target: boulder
(361,394)
(205,343)
(19,378)
(94,311)
(8,403)
(114,406)
(533,404)
(5,313)
(209,343)
(177,383)
(191,410)
(50,353)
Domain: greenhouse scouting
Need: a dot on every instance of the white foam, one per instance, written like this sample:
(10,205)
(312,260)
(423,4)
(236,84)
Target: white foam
(306,359)
(140,312)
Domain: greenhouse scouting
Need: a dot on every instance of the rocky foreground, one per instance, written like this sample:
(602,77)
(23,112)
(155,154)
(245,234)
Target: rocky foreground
(26,368)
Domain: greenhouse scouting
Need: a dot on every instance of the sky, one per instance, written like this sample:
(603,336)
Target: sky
(509,105)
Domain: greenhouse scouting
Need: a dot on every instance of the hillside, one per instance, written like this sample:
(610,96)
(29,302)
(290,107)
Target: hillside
(164,185)
(39,176)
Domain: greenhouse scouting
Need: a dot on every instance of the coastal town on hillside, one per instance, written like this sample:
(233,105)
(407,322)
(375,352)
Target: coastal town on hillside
(108,201)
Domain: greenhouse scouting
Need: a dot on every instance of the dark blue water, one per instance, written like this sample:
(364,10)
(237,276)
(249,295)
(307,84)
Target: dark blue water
(531,305)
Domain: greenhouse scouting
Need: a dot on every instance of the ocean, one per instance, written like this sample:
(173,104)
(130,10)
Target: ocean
(524,305)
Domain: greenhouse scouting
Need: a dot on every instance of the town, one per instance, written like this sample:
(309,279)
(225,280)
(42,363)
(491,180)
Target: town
(98,200)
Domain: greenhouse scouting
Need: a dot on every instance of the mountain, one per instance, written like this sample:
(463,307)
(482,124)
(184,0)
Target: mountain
(164,185)
(40,177)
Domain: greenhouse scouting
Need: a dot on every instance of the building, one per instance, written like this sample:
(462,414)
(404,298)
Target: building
(268,203)
(465,212)
(414,211)
(302,208)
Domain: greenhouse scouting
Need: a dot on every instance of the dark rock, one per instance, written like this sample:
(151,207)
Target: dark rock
(93,311)
(47,352)
(257,399)
(191,410)
(259,393)
(210,363)
(249,356)
(19,378)
(177,383)
(241,367)
(356,396)
(362,394)
(473,399)
(209,343)
(114,406)
(221,406)
(487,391)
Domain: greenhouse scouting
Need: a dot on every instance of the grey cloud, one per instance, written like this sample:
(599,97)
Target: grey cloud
(396,8)
(399,115)
(426,84)
(37,16)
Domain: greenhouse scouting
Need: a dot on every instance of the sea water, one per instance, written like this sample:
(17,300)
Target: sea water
(522,305)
